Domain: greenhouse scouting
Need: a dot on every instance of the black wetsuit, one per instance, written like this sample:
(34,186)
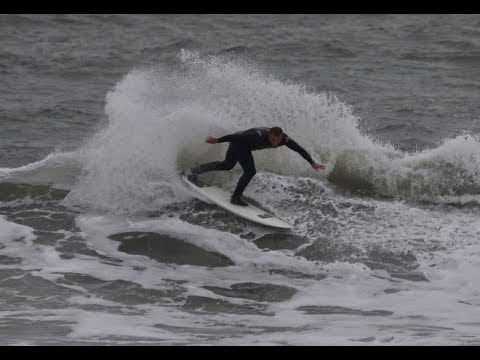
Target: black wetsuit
(240,150)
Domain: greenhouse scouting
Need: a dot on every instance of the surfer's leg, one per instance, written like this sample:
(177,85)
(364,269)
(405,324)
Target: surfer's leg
(227,164)
(215,166)
(249,171)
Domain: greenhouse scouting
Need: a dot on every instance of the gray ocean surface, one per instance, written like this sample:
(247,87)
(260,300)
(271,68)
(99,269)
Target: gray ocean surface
(102,244)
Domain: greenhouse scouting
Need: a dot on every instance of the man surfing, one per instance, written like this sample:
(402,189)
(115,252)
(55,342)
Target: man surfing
(240,150)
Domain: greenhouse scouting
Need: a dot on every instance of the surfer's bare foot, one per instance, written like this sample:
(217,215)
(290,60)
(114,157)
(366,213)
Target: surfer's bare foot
(238,201)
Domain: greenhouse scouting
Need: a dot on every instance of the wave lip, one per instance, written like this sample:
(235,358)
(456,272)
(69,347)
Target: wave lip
(58,169)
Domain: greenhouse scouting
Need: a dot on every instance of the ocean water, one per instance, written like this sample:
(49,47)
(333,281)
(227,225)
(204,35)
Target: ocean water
(102,244)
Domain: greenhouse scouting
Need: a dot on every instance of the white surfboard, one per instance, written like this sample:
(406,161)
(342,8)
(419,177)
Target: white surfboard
(221,198)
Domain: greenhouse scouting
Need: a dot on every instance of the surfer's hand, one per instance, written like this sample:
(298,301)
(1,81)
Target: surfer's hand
(317,166)
(211,140)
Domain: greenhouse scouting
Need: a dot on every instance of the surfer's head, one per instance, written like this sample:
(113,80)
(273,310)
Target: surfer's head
(275,135)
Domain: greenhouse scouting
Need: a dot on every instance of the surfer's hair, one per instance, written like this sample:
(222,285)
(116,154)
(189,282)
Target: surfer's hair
(276,131)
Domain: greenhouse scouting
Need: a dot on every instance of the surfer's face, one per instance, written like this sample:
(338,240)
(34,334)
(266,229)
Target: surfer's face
(274,140)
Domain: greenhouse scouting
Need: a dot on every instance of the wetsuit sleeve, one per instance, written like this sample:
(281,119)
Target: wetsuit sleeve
(295,147)
(246,137)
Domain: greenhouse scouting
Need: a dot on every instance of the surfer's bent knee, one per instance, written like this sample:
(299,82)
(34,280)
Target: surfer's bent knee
(228,165)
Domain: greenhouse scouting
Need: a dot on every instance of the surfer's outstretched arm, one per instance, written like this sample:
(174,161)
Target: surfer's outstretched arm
(291,144)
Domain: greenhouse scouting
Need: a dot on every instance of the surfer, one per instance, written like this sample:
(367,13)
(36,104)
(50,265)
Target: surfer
(240,150)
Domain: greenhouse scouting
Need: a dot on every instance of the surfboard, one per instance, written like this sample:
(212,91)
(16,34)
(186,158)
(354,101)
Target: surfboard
(221,198)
